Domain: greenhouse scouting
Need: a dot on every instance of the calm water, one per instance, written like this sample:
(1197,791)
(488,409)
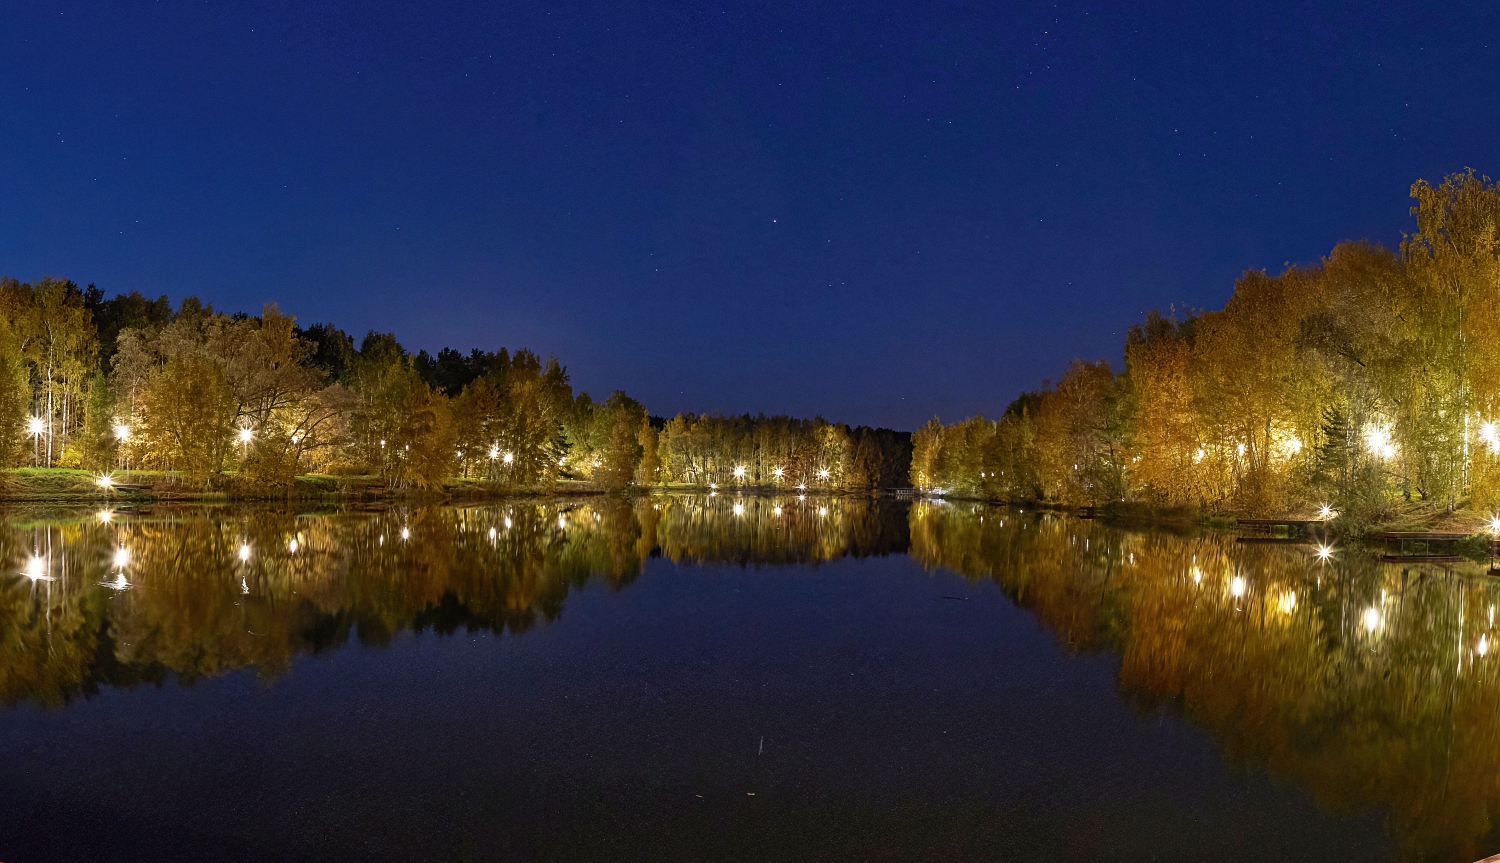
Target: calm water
(718,679)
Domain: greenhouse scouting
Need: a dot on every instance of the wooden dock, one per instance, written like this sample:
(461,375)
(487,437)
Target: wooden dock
(1282,528)
(1433,546)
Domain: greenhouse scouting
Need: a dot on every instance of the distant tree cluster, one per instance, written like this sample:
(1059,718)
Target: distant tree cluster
(250,402)
(1369,378)
(780,452)
(223,400)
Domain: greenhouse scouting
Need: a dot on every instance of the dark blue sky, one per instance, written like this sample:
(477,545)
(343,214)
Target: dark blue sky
(873,211)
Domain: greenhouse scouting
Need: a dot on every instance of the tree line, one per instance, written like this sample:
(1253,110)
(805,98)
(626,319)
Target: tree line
(248,403)
(1367,379)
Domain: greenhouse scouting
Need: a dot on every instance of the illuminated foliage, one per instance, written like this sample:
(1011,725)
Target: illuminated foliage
(780,452)
(1366,379)
(188,416)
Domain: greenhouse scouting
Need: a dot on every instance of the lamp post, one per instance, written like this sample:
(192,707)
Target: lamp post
(122,437)
(35,427)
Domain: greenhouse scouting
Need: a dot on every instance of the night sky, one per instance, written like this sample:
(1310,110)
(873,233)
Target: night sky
(877,212)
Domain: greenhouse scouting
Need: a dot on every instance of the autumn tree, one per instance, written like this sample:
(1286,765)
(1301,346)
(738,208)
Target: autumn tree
(189,409)
(404,429)
(60,346)
(1164,447)
(648,472)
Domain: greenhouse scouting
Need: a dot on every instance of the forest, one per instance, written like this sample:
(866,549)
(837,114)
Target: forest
(191,398)
(1361,383)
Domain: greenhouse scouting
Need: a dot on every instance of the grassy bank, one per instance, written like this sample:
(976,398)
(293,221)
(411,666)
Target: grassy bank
(64,485)
(1414,516)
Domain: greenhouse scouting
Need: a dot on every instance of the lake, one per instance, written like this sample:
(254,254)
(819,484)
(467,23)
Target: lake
(730,678)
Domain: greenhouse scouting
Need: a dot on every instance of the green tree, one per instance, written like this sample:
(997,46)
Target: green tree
(15,394)
(99,446)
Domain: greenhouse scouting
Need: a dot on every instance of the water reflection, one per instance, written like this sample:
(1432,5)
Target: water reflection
(1369,683)
(118,599)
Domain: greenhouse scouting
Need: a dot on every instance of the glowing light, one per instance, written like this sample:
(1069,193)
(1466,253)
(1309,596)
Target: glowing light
(244,553)
(292,545)
(122,557)
(1291,446)
(822,511)
(1495,524)
(508,457)
(119,583)
(823,474)
(405,533)
(777,472)
(713,485)
(105,516)
(1378,442)
(105,481)
(494,453)
(1198,456)
(1237,586)
(507,522)
(562,462)
(1197,573)
(36,569)
(1240,449)
(597,462)
(739,509)
(1491,436)
(382,444)
(739,472)
(562,522)
(776,511)
(802,498)
(1372,619)
(492,533)
(246,435)
(1325,512)
(35,426)
(1325,552)
(801,486)
(1483,647)
(1288,602)
(122,432)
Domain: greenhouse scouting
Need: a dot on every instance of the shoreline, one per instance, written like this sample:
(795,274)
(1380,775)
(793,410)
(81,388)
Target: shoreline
(72,486)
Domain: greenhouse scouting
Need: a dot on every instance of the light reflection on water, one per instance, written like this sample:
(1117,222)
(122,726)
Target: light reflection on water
(91,601)
(1367,682)
(1370,684)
